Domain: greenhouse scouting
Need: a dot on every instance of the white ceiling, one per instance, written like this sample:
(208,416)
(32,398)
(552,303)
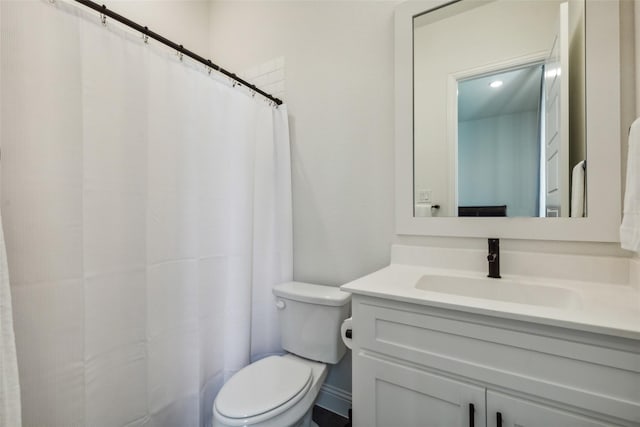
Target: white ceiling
(520,92)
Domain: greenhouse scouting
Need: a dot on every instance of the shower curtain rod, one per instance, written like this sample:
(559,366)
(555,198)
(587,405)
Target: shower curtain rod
(178,47)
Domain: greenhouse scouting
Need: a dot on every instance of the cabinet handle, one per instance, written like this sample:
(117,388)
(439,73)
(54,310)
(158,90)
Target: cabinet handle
(471,416)
(498,419)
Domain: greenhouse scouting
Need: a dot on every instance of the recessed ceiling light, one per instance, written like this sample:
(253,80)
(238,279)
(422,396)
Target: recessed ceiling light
(496,83)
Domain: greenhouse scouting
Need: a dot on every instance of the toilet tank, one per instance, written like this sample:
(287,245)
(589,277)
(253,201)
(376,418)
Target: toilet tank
(310,318)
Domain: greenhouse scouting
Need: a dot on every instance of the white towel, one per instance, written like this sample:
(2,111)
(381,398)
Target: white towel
(577,189)
(9,383)
(630,228)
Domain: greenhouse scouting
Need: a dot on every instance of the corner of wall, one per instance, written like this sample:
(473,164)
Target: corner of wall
(268,76)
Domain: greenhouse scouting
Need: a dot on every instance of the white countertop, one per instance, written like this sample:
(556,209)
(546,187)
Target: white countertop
(611,309)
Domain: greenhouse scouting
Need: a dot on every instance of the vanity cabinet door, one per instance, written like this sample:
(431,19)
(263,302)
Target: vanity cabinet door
(388,394)
(516,412)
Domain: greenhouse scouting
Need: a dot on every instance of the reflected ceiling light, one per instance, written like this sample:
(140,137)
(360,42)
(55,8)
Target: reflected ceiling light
(496,83)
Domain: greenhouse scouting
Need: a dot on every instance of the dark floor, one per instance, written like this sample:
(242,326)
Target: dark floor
(325,418)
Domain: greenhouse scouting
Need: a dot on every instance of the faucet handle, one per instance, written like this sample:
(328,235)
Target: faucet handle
(494,258)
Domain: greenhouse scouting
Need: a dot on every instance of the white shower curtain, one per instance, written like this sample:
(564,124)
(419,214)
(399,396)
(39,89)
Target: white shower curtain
(10,415)
(147,210)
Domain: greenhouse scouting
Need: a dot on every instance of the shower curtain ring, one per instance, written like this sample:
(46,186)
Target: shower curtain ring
(103,16)
(145,36)
(180,55)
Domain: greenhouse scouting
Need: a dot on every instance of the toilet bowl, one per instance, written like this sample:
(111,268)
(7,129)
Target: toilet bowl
(279,391)
(273,392)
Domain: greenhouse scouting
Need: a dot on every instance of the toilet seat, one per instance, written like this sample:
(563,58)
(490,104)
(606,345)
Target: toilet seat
(263,390)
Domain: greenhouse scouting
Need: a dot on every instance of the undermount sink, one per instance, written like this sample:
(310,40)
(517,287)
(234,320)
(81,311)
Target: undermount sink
(500,290)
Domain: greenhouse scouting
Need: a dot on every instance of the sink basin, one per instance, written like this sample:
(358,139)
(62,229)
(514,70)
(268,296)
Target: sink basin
(500,290)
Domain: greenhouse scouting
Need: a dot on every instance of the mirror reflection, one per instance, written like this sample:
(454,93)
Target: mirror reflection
(499,110)
(499,146)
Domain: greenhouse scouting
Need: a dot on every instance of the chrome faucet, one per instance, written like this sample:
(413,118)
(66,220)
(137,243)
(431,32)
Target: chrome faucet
(494,258)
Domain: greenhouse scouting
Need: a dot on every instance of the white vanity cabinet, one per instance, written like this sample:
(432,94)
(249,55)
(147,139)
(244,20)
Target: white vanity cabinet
(421,365)
(393,394)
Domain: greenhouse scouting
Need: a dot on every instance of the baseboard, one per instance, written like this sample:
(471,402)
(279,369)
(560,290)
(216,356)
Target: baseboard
(334,399)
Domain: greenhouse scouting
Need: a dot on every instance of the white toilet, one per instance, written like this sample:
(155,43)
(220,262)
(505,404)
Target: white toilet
(279,391)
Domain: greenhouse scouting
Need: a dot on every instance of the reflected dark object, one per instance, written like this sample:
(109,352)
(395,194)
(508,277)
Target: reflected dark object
(500,210)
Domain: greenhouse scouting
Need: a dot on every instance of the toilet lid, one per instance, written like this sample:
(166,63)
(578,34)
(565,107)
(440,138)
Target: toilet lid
(262,387)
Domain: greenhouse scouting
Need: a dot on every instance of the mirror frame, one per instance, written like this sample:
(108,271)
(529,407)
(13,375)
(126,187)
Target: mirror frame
(603,133)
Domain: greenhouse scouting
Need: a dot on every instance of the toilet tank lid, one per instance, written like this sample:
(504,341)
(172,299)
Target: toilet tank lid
(314,294)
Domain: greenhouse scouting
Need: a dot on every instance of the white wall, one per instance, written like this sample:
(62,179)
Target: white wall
(339,91)
(185,22)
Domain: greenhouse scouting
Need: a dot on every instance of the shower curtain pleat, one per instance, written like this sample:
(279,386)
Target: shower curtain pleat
(148,215)
(10,405)
(10,413)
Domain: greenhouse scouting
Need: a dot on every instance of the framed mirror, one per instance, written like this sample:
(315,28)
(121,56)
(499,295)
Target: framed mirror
(493,123)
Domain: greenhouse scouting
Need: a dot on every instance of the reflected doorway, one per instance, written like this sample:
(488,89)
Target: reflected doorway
(500,146)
